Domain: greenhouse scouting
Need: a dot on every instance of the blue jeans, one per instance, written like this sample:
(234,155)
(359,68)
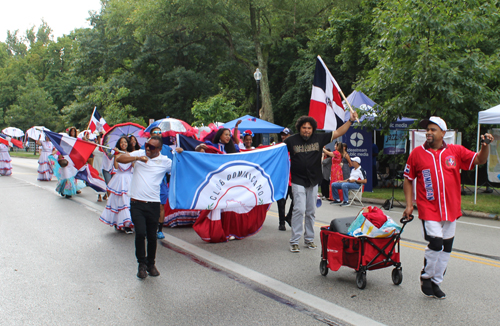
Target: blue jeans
(345,186)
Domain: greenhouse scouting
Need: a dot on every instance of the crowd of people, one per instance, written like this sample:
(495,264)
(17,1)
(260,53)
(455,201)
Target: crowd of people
(137,184)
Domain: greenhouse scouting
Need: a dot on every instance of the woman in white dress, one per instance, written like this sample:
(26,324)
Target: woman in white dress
(117,211)
(45,172)
(5,165)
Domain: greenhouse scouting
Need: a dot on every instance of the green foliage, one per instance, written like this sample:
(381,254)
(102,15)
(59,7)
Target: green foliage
(216,108)
(33,104)
(429,60)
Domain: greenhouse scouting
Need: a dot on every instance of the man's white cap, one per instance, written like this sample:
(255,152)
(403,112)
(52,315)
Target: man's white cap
(356,159)
(436,120)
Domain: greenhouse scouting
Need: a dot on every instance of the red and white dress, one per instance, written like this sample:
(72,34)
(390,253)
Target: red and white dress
(5,161)
(45,172)
(117,211)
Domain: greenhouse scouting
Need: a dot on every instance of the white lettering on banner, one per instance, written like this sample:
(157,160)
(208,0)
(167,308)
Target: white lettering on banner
(234,184)
(358,152)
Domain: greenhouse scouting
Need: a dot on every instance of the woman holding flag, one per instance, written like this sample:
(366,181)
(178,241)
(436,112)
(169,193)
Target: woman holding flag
(117,211)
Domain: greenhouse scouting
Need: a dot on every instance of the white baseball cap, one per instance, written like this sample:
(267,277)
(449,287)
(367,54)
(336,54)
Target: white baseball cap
(356,159)
(436,120)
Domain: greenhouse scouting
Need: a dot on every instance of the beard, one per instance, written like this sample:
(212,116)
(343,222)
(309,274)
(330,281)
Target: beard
(305,137)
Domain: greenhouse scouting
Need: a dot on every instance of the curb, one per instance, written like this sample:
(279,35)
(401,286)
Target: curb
(488,216)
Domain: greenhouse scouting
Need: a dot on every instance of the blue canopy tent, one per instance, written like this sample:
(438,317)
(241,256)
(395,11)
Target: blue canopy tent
(256,125)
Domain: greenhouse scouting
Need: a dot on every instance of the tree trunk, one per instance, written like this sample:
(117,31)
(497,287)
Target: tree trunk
(266,111)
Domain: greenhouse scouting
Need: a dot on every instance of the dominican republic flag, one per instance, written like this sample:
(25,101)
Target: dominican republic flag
(97,122)
(90,175)
(76,149)
(9,141)
(326,105)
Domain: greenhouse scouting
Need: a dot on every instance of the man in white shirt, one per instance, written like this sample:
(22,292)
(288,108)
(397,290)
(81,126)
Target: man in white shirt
(149,169)
(357,178)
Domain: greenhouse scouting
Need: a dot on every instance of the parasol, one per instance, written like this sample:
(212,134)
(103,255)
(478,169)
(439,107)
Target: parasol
(13,132)
(171,127)
(90,135)
(122,129)
(35,132)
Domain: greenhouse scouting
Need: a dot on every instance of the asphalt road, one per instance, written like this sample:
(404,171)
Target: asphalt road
(59,265)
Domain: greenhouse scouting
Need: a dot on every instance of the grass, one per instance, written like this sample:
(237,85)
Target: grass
(24,154)
(487,203)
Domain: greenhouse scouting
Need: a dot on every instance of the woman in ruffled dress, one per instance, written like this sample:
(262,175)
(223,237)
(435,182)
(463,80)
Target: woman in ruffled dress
(117,211)
(65,171)
(45,171)
(5,161)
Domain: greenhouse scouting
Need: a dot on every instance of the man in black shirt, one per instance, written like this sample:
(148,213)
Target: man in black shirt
(305,150)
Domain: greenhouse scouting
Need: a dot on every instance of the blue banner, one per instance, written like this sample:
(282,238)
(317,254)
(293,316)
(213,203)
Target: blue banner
(241,180)
(395,142)
(359,143)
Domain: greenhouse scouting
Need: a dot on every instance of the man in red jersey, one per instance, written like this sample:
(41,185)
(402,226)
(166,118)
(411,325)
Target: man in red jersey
(435,167)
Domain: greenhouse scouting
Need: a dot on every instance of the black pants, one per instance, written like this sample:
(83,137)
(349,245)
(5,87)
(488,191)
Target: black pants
(325,188)
(145,219)
(282,207)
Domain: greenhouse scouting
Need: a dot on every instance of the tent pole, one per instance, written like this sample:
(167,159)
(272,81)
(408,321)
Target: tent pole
(477,149)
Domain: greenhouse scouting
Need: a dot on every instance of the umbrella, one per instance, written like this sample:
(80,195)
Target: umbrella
(122,129)
(171,127)
(13,132)
(35,132)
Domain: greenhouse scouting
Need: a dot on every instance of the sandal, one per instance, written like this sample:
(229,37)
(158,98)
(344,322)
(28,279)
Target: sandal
(99,199)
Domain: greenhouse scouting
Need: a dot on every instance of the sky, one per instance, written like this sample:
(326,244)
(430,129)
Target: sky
(62,16)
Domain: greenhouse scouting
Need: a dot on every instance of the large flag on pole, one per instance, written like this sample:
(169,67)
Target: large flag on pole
(326,104)
(76,149)
(97,122)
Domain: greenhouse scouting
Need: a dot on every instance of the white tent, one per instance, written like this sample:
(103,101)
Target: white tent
(491,117)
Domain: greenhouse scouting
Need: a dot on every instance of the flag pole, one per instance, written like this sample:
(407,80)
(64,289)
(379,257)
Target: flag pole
(341,93)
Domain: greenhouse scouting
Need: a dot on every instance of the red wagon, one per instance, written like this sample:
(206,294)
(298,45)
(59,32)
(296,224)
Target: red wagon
(360,253)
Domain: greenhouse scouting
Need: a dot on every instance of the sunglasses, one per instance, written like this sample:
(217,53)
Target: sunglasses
(156,132)
(150,147)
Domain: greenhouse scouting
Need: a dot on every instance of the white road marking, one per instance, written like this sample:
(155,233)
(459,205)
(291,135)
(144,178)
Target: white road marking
(273,284)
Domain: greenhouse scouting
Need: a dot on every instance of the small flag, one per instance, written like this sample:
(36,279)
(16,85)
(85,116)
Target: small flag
(97,122)
(76,149)
(326,105)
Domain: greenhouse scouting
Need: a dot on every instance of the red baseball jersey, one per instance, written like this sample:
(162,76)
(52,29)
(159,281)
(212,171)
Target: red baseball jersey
(437,175)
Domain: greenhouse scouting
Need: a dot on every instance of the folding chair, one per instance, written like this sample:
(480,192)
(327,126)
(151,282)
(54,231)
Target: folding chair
(356,194)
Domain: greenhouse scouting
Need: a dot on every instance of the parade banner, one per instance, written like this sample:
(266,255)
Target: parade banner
(395,142)
(494,157)
(241,180)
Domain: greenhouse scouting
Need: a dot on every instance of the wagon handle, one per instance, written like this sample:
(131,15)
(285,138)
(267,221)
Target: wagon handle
(406,219)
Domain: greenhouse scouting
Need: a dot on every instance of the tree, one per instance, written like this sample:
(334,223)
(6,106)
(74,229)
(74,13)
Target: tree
(429,60)
(33,107)
(216,108)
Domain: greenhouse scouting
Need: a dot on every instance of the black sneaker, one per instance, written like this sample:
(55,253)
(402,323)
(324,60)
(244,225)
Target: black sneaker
(426,287)
(335,202)
(438,294)
(142,272)
(282,227)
